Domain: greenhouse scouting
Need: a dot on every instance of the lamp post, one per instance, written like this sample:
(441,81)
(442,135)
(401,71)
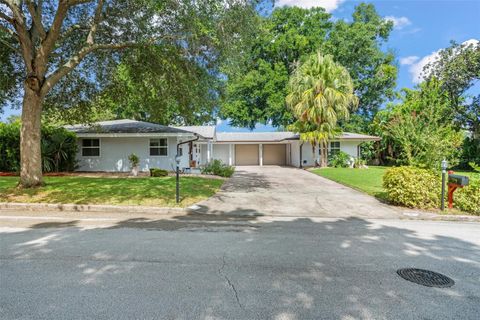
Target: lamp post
(177,190)
(444,173)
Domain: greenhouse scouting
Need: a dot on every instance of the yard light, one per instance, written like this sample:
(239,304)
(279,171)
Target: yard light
(444,172)
(177,190)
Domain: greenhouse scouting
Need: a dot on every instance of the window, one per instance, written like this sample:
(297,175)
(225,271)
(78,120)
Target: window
(334,147)
(159,147)
(90,147)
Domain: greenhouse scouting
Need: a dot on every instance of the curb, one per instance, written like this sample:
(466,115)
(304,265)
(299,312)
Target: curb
(89,208)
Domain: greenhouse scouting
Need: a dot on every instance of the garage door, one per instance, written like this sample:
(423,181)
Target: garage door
(246,155)
(274,154)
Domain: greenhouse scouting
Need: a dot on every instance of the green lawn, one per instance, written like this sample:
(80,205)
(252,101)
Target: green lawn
(366,180)
(117,191)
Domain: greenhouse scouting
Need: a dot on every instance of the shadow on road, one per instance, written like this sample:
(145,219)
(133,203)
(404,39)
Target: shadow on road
(248,267)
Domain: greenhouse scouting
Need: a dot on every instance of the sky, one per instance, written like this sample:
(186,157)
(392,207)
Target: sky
(421,28)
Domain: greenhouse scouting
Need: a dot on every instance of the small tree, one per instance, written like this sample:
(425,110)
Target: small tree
(321,93)
(134,162)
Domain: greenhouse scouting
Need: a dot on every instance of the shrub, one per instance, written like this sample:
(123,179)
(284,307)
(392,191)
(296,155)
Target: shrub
(59,148)
(134,160)
(156,172)
(412,187)
(216,167)
(340,159)
(359,163)
(468,198)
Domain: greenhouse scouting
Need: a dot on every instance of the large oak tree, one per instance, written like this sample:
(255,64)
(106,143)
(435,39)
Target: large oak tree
(64,47)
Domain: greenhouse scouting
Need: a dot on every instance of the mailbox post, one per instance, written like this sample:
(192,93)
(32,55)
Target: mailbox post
(455,181)
(444,173)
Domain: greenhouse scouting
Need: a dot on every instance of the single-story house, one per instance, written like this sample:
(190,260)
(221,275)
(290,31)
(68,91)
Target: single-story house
(106,145)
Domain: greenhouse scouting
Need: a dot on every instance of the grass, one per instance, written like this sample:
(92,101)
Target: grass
(115,191)
(366,180)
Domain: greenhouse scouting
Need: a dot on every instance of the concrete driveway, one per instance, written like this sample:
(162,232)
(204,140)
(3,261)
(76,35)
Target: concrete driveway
(283,191)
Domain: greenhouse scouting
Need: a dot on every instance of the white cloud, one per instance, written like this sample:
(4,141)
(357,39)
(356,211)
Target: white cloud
(329,5)
(407,61)
(399,22)
(416,69)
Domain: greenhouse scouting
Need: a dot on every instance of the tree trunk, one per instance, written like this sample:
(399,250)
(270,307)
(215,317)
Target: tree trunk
(315,162)
(30,140)
(324,162)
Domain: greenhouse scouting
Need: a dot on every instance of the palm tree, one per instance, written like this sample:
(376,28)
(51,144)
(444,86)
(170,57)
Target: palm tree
(321,93)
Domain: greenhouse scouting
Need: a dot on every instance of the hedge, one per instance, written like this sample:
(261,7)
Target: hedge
(412,187)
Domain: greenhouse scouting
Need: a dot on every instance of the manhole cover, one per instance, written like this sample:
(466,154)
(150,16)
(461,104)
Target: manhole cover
(426,277)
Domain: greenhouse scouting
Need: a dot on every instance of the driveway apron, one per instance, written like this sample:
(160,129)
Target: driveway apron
(292,192)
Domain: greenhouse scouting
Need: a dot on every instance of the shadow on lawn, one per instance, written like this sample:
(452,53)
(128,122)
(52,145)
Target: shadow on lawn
(232,266)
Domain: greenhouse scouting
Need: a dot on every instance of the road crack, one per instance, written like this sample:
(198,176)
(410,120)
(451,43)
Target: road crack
(229,282)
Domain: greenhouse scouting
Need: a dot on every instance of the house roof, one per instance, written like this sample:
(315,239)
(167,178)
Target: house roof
(281,136)
(254,136)
(207,132)
(124,126)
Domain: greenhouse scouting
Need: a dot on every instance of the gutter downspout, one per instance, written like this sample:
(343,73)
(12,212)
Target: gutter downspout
(188,141)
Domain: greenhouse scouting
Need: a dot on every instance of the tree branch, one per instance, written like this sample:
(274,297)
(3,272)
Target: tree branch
(75,61)
(9,31)
(54,32)
(35,13)
(96,20)
(22,33)
(6,18)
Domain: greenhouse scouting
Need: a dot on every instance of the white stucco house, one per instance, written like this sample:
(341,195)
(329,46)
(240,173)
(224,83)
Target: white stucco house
(106,145)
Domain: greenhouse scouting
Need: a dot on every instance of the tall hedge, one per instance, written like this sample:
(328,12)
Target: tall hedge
(59,148)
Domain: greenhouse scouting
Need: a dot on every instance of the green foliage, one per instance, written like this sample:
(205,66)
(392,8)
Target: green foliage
(156,172)
(59,148)
(412,187)
(134,160)
(419,131)
(216,167)
(10,146)
(359,163)
(458,68)
(339,159)
(320,94)
(474,166)
(470,152)
(468,198)
(256,92)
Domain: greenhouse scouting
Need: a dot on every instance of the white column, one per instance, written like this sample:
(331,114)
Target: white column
(230,159)
(260,146)
(209,151)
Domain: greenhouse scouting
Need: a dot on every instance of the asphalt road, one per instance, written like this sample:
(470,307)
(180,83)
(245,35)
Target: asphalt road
(234,268)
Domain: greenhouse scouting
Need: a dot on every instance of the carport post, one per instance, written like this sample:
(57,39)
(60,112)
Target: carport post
(260,147)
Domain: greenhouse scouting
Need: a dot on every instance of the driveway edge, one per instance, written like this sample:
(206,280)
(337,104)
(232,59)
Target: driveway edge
(89,208)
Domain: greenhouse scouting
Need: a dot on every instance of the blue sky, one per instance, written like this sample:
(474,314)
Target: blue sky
(422,27)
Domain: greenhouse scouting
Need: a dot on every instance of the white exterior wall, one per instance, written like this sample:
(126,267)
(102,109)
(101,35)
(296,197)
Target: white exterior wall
(295,153)
(221,152)
(307,154)
(350,147)
(114,154)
